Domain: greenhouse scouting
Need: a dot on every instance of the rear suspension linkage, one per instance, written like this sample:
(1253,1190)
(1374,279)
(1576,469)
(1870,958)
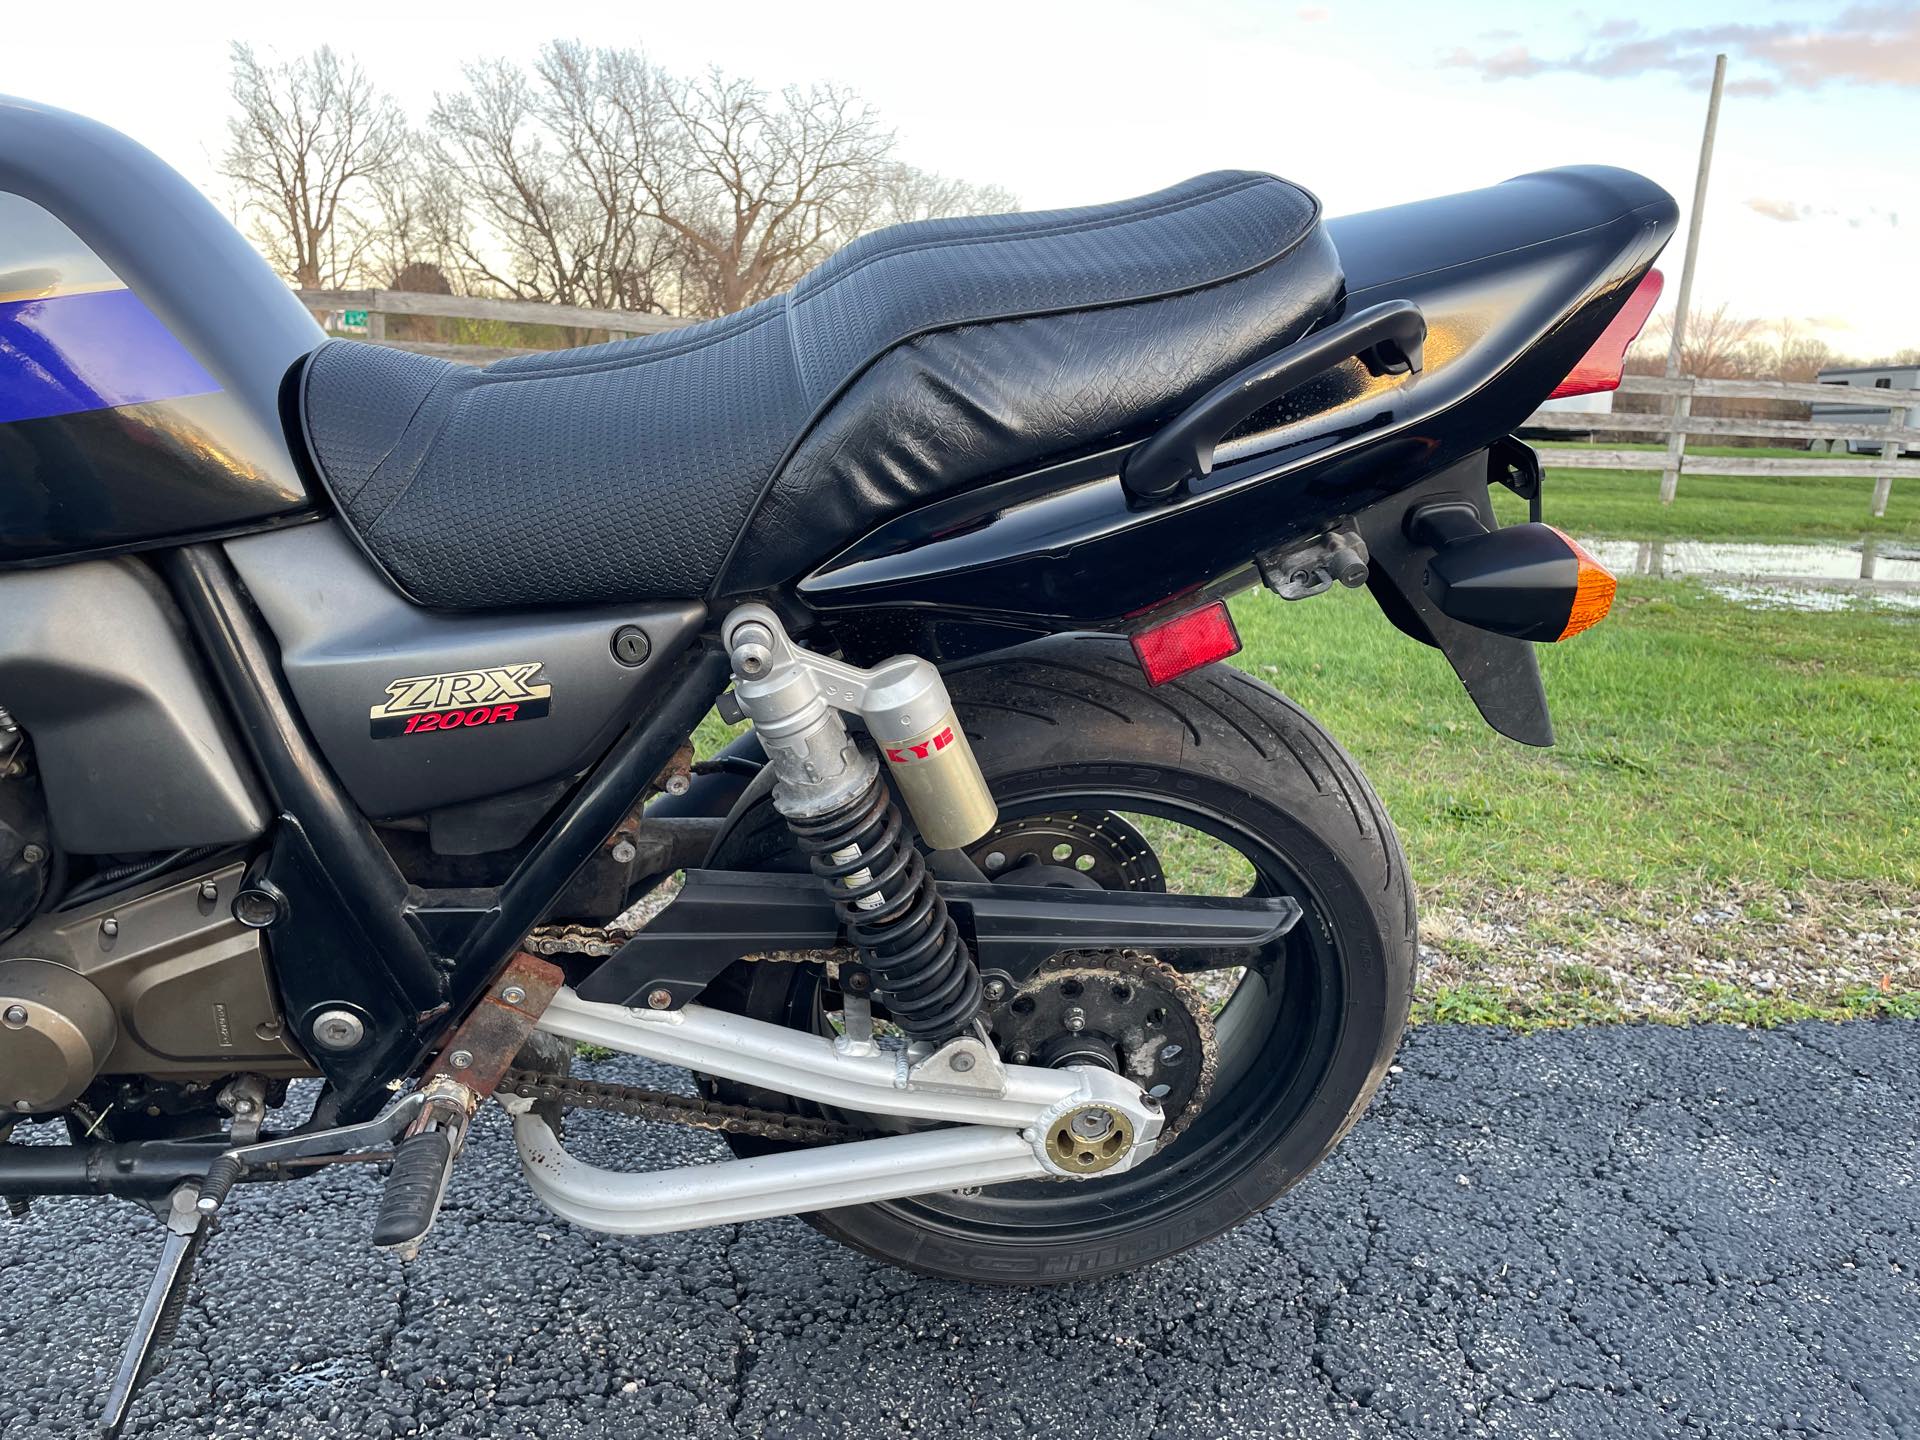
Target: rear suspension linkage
(843,816)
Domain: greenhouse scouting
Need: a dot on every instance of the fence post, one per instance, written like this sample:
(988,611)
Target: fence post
(1683,406)
(1883,482)
(1676,444)
(376,320)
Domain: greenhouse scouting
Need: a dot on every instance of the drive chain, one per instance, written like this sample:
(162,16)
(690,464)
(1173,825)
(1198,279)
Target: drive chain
(639,1103)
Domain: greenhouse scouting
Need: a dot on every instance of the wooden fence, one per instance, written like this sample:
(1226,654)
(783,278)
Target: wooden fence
(1675,422)
(377,305)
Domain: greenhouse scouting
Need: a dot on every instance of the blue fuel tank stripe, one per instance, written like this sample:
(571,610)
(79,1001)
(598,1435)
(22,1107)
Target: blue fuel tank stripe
(64,354)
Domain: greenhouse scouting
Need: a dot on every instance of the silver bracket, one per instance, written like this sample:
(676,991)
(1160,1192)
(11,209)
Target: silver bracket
(246,1100)
(857,1036)
(965,1065)
(1311,567)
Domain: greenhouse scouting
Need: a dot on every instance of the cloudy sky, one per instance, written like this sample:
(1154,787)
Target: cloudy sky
(1812,212)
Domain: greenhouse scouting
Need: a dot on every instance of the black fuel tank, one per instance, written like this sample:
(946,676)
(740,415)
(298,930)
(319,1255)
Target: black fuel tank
(143,343)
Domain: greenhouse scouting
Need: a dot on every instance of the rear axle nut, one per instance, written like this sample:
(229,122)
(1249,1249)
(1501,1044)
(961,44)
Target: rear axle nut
(1089,1139)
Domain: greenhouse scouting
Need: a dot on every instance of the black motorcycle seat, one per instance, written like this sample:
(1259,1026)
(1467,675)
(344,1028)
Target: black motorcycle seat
(733,455)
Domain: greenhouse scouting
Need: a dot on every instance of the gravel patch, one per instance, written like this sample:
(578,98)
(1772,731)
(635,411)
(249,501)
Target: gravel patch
(1658,957)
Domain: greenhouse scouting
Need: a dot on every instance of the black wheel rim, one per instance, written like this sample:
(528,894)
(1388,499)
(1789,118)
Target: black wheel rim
(1278,1035)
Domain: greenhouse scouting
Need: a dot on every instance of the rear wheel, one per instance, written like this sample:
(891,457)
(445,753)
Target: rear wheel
(1213,784)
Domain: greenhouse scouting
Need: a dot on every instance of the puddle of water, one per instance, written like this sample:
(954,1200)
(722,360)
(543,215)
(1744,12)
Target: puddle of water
(1796,577)
(1810,597)
(1876,561)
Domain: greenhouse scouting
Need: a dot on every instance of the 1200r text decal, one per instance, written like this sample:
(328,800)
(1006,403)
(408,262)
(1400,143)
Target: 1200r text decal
(498,695)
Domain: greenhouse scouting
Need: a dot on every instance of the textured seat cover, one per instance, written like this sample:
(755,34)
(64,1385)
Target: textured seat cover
(736,454)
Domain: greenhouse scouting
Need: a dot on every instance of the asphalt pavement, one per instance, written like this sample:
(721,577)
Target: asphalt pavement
(1629,1231)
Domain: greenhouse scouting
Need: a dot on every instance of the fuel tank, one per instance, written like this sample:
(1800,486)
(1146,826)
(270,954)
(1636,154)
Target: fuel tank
(143,344)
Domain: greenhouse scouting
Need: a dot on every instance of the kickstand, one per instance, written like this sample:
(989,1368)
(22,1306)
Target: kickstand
(187,1231)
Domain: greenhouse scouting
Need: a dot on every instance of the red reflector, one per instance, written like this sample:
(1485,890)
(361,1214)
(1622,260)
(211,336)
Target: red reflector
(1600,368)
(1173,647)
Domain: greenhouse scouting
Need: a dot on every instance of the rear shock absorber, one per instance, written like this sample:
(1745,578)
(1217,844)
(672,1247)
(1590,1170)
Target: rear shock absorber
(829,789)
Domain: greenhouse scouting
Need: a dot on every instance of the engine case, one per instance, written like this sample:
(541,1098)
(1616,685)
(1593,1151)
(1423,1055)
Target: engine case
(168,984)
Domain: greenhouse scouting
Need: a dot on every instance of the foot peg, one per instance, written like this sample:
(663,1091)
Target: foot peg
(422,1165)
(415,1184)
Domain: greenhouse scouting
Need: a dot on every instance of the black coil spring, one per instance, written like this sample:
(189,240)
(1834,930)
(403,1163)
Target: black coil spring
(921,970)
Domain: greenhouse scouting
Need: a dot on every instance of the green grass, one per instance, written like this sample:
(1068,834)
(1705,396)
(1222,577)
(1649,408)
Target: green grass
(1625,505)
(1716,1003)
(1699,743)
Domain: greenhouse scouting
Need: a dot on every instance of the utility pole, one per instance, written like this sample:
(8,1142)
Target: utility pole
(1683,404)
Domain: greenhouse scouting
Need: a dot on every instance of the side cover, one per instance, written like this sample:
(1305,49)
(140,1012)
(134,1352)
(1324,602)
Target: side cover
(133,755)
(417,710)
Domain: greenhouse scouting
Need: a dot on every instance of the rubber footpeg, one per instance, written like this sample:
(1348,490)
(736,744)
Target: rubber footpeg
(414,1187)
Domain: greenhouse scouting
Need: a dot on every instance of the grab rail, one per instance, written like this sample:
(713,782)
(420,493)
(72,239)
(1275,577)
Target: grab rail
(1388,338)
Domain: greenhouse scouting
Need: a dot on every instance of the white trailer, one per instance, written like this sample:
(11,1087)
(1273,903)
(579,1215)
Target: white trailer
(1869,377)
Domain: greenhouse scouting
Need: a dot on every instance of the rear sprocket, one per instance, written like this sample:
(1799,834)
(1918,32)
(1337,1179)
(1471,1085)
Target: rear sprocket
(1122,1010)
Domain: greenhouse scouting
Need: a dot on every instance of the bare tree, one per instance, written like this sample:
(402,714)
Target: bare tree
(1794,355)
(1715,342)
(414,234)
(600,179)
(901,193)
(514,182)
(310,136)
(756,187)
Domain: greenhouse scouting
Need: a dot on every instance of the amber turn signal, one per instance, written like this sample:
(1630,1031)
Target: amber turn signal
(1527,581)
(1592,591)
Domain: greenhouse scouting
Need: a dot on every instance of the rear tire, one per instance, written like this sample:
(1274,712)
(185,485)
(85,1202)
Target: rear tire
(1072,716)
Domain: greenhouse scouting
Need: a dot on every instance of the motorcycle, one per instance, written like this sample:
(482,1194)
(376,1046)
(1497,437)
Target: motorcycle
(350,693)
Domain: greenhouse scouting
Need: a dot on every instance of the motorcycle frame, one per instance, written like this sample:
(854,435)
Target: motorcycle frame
(355,933)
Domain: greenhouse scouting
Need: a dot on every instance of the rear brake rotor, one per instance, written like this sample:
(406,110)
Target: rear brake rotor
(1121,1010)
(1096,845)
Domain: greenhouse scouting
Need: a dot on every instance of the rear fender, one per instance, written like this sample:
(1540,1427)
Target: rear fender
(1501,674)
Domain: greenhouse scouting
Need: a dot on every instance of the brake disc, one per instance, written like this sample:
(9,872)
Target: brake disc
(1096,845)
(1122,1010)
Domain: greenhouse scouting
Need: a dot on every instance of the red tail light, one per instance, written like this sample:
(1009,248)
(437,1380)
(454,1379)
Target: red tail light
(1600,368)
(1173,647)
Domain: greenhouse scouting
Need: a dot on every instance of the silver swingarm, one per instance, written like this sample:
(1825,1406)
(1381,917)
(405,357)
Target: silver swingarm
(998,1122)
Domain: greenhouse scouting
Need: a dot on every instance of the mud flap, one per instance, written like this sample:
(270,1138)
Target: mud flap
(1501,674)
